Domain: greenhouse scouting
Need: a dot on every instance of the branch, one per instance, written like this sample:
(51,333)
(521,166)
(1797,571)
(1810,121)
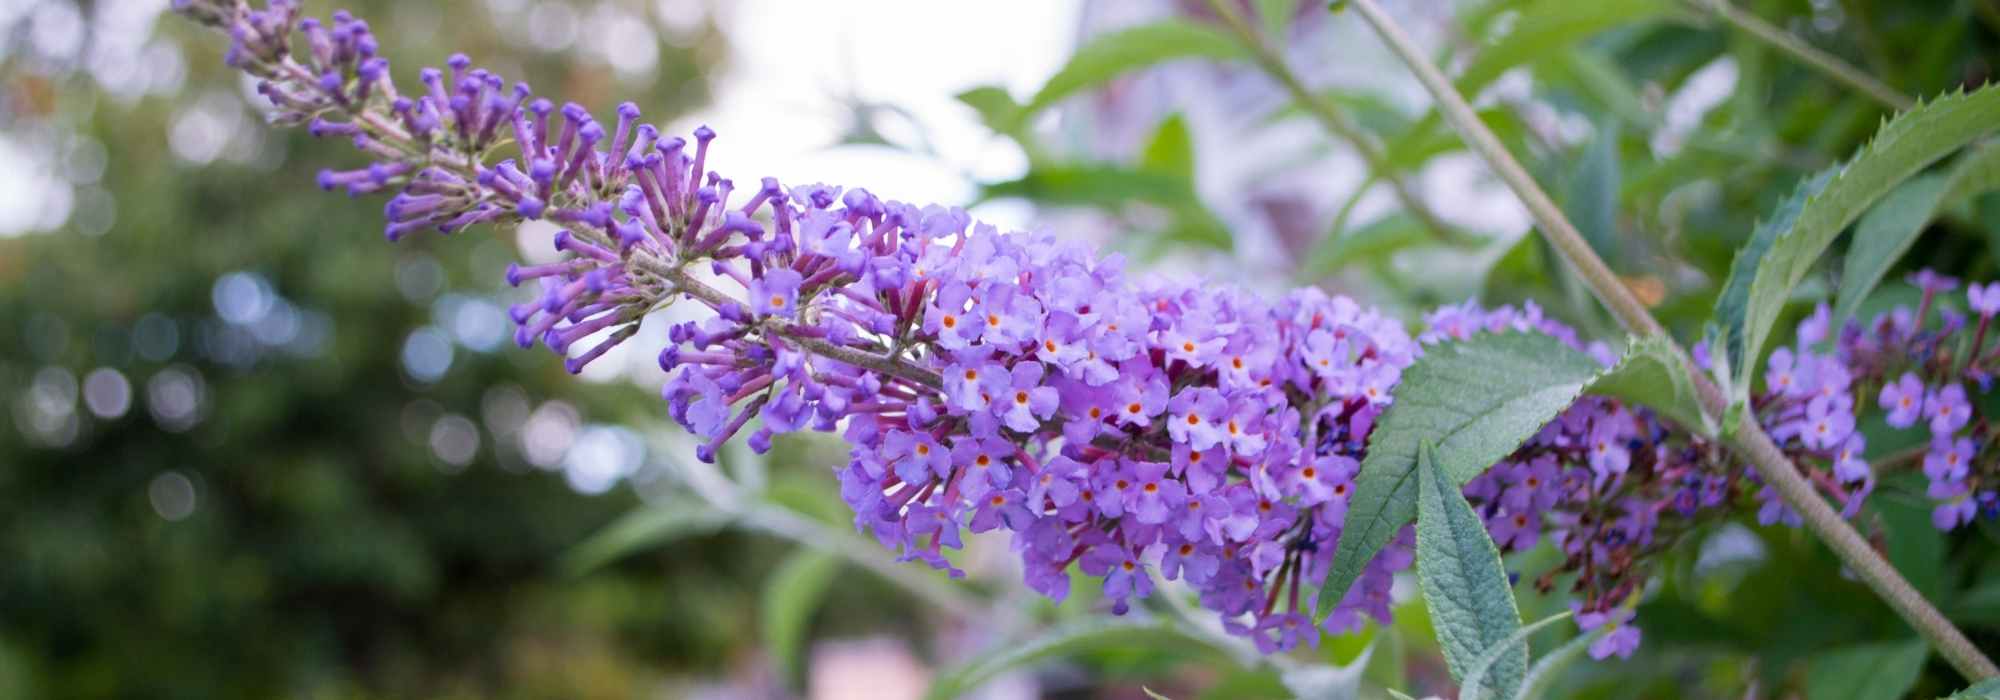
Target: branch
(1805,53)
(1749,441)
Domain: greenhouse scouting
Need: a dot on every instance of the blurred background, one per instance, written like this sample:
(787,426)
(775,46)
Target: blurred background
(252,451)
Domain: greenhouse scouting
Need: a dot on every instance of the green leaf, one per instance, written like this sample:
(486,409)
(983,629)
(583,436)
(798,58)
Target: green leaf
(1478,400)
(1171,149)
(1277,15)
(1734,302)
(1472,607)
(1865,671)
(1653,374)
(1549,26)
(1398,695)
(1544,671)
(647,527)
(1154,695)
(1975,173)
(1884,234)
(1086,635)
(1109,55)
(1476,677)
(1110,187)
(1381,237)
(1590,192)
(1901,148)
(1089,184)
(1888,229)
(997,109)
(791,596)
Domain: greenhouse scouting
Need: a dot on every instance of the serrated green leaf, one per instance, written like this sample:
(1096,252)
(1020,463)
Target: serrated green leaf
(1079,637)
(1653,374)
(1464,584)
(1170,151)
(1883,235)
(1544,672)
(1479,400)
(1109,55)
(791,596)
(647,527)
(1866,671)
(1476,677)
(1901,148)
(1734,302)
(1378,238)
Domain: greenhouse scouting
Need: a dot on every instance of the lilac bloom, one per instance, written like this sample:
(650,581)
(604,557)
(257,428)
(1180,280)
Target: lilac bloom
(1003,507)
(1816,327)
(1947,409)
(1514,530)
(1140,399)
(1152,498)
(1195,417)
(1948,460)
(1931,282)
(916,456)
(1849,464)
(1903,399)
(984,464)
(1827,424)
(1191,347)
(947,319)
(971,388)
(1984,299)
(1376,381)
(1781,375)
(776,293)
(1189,561)
(1243,430)
(1608,453)
(1025,403)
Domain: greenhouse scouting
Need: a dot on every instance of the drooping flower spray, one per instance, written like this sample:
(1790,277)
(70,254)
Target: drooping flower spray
(1127,430)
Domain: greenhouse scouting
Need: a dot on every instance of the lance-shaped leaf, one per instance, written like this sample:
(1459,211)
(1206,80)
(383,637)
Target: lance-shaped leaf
(1478,400)
(1067,640)
(1901,148)
(1888,230)
(1464,584)
(1109,55)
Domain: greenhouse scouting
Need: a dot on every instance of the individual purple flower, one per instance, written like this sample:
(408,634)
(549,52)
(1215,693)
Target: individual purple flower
(1948,460)
(1903,399)
(1025,403)
(1195,417)
(1947,409)
(1984,299)
(775,293)
(1621,641)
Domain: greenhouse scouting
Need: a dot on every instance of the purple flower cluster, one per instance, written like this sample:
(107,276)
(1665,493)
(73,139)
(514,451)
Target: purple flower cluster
(985,381)
(1923,372)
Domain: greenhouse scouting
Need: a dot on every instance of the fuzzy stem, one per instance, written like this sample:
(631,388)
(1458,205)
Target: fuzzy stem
(1805,53)
(1338,123)
(1749,440)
